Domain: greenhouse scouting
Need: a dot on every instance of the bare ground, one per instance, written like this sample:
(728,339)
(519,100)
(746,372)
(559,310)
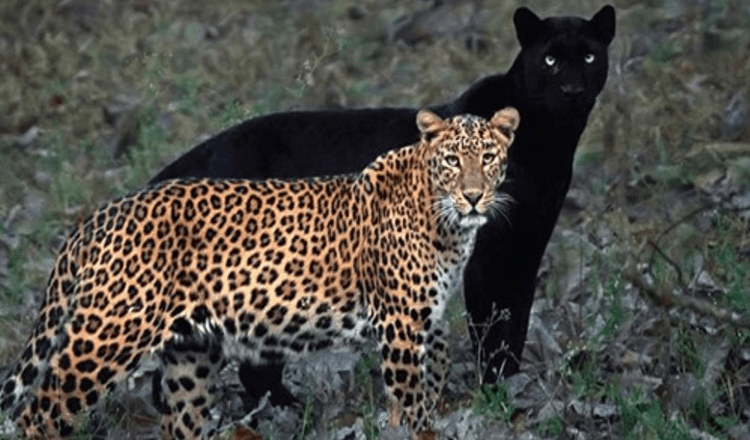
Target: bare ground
(640,328)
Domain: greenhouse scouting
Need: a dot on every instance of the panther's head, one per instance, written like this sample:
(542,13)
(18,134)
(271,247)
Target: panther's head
(564,59)
(467,158)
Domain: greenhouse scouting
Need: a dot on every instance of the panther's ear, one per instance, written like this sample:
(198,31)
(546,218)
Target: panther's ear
(528,26)
(428,122)
(506,120)
(604,24)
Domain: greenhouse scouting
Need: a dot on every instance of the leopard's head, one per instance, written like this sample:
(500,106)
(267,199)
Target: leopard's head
(467,159)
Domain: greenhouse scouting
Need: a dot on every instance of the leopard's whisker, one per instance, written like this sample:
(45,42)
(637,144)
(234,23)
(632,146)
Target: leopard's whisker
(501,206)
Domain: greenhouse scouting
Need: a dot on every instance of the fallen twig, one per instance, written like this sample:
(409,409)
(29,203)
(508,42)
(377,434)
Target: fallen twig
(698,305)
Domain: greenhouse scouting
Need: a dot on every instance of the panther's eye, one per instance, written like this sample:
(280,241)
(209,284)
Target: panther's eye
(451,160)
(589,58)
(487,158)
(550,60)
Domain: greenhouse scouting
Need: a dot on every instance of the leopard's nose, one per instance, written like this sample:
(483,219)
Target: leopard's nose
(473,196)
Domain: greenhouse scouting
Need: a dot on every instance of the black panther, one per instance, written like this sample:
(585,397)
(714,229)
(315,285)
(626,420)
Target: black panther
(553,82)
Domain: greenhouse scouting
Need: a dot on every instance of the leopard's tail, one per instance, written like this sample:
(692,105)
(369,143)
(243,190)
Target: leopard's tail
(33,367)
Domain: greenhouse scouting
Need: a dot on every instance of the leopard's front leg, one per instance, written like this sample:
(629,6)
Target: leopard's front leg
(414,366)
(438,364)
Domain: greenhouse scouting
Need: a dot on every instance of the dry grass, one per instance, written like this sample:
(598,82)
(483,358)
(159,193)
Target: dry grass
(96,96)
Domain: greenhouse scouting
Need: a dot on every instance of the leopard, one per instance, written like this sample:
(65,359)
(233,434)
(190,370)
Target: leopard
(554,81)
(197,273)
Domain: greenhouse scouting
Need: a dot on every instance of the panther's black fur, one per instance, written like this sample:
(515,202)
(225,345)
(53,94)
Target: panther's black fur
(553,82)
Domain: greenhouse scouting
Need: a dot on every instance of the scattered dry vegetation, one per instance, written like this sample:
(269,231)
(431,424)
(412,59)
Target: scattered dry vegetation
(640,329)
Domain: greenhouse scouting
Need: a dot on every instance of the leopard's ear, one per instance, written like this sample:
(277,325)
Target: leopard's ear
(429,123)
(506,120)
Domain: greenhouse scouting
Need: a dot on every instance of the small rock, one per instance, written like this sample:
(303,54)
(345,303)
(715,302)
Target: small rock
(704,222)
(525,392)
(605,235)
(354,432)
(709,325)
(540,343)
(670,174)
(465,425)
(12,217)
(23,218)
(553,408)
(580,408)
(275,422)
(739,432)
(457,383)
(682,388)
(42,178)
(166,123)
(356,12)
(441,19)
(716,38)
(576,199)
(391,433)
(4,271)
(8,428)
(526,435)
(30,136)
(704,282)
(86,13)
(116,174)
(708,179)
(591,331)
(715,356)
(517,383)
(736,116)
(119,104)
(631,359)
(605,411)
(696,434)
(212,32)
(741,201)
(194,33)
(738,170)
(321,371)
(576,434)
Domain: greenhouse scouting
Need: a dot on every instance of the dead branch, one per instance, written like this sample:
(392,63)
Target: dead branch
(697,305)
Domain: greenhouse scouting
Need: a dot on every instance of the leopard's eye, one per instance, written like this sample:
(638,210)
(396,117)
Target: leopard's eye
(487,158)
(451,160)
(550,60)
(589,58)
